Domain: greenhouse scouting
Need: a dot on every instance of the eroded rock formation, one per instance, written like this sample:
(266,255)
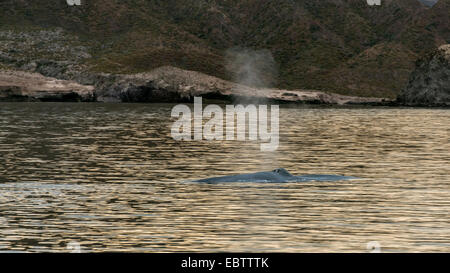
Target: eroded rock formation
(170,84)
(25,86)
(429,83)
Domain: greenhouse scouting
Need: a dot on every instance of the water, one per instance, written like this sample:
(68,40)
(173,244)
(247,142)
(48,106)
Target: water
(108,177)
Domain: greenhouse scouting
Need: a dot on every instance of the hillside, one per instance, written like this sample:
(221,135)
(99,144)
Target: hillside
(343,46)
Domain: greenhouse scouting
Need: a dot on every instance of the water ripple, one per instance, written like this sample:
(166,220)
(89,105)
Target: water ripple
(109,177)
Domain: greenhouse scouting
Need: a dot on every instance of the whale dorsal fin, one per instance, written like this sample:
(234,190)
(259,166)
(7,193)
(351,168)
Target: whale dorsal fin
(282,172)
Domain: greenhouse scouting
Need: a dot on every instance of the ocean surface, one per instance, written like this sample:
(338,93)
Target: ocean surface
(109,177)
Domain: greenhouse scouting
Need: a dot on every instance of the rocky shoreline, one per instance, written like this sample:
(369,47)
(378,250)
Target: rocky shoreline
(164,84)
(47,80)
(26,86)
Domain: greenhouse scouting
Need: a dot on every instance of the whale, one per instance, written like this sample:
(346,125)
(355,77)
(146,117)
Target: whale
(276,176)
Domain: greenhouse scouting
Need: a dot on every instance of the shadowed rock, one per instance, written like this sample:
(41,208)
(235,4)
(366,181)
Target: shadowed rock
(429,84)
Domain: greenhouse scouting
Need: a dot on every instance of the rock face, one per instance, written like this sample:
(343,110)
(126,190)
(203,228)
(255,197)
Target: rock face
(25,86)
(170,84)
(429,84)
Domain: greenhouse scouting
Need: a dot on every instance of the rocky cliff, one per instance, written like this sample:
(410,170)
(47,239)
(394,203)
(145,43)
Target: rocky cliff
(429,83)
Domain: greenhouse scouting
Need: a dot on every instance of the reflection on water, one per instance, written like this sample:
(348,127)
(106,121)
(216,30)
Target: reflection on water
(109,177)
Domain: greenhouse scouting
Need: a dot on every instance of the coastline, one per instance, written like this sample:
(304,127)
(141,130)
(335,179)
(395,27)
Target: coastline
(164,84)
(167,84)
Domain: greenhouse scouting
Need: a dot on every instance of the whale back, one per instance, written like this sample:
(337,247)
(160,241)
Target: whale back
(278,176)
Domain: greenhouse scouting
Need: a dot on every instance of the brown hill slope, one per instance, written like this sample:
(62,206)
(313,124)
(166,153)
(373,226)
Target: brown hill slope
(339,45)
